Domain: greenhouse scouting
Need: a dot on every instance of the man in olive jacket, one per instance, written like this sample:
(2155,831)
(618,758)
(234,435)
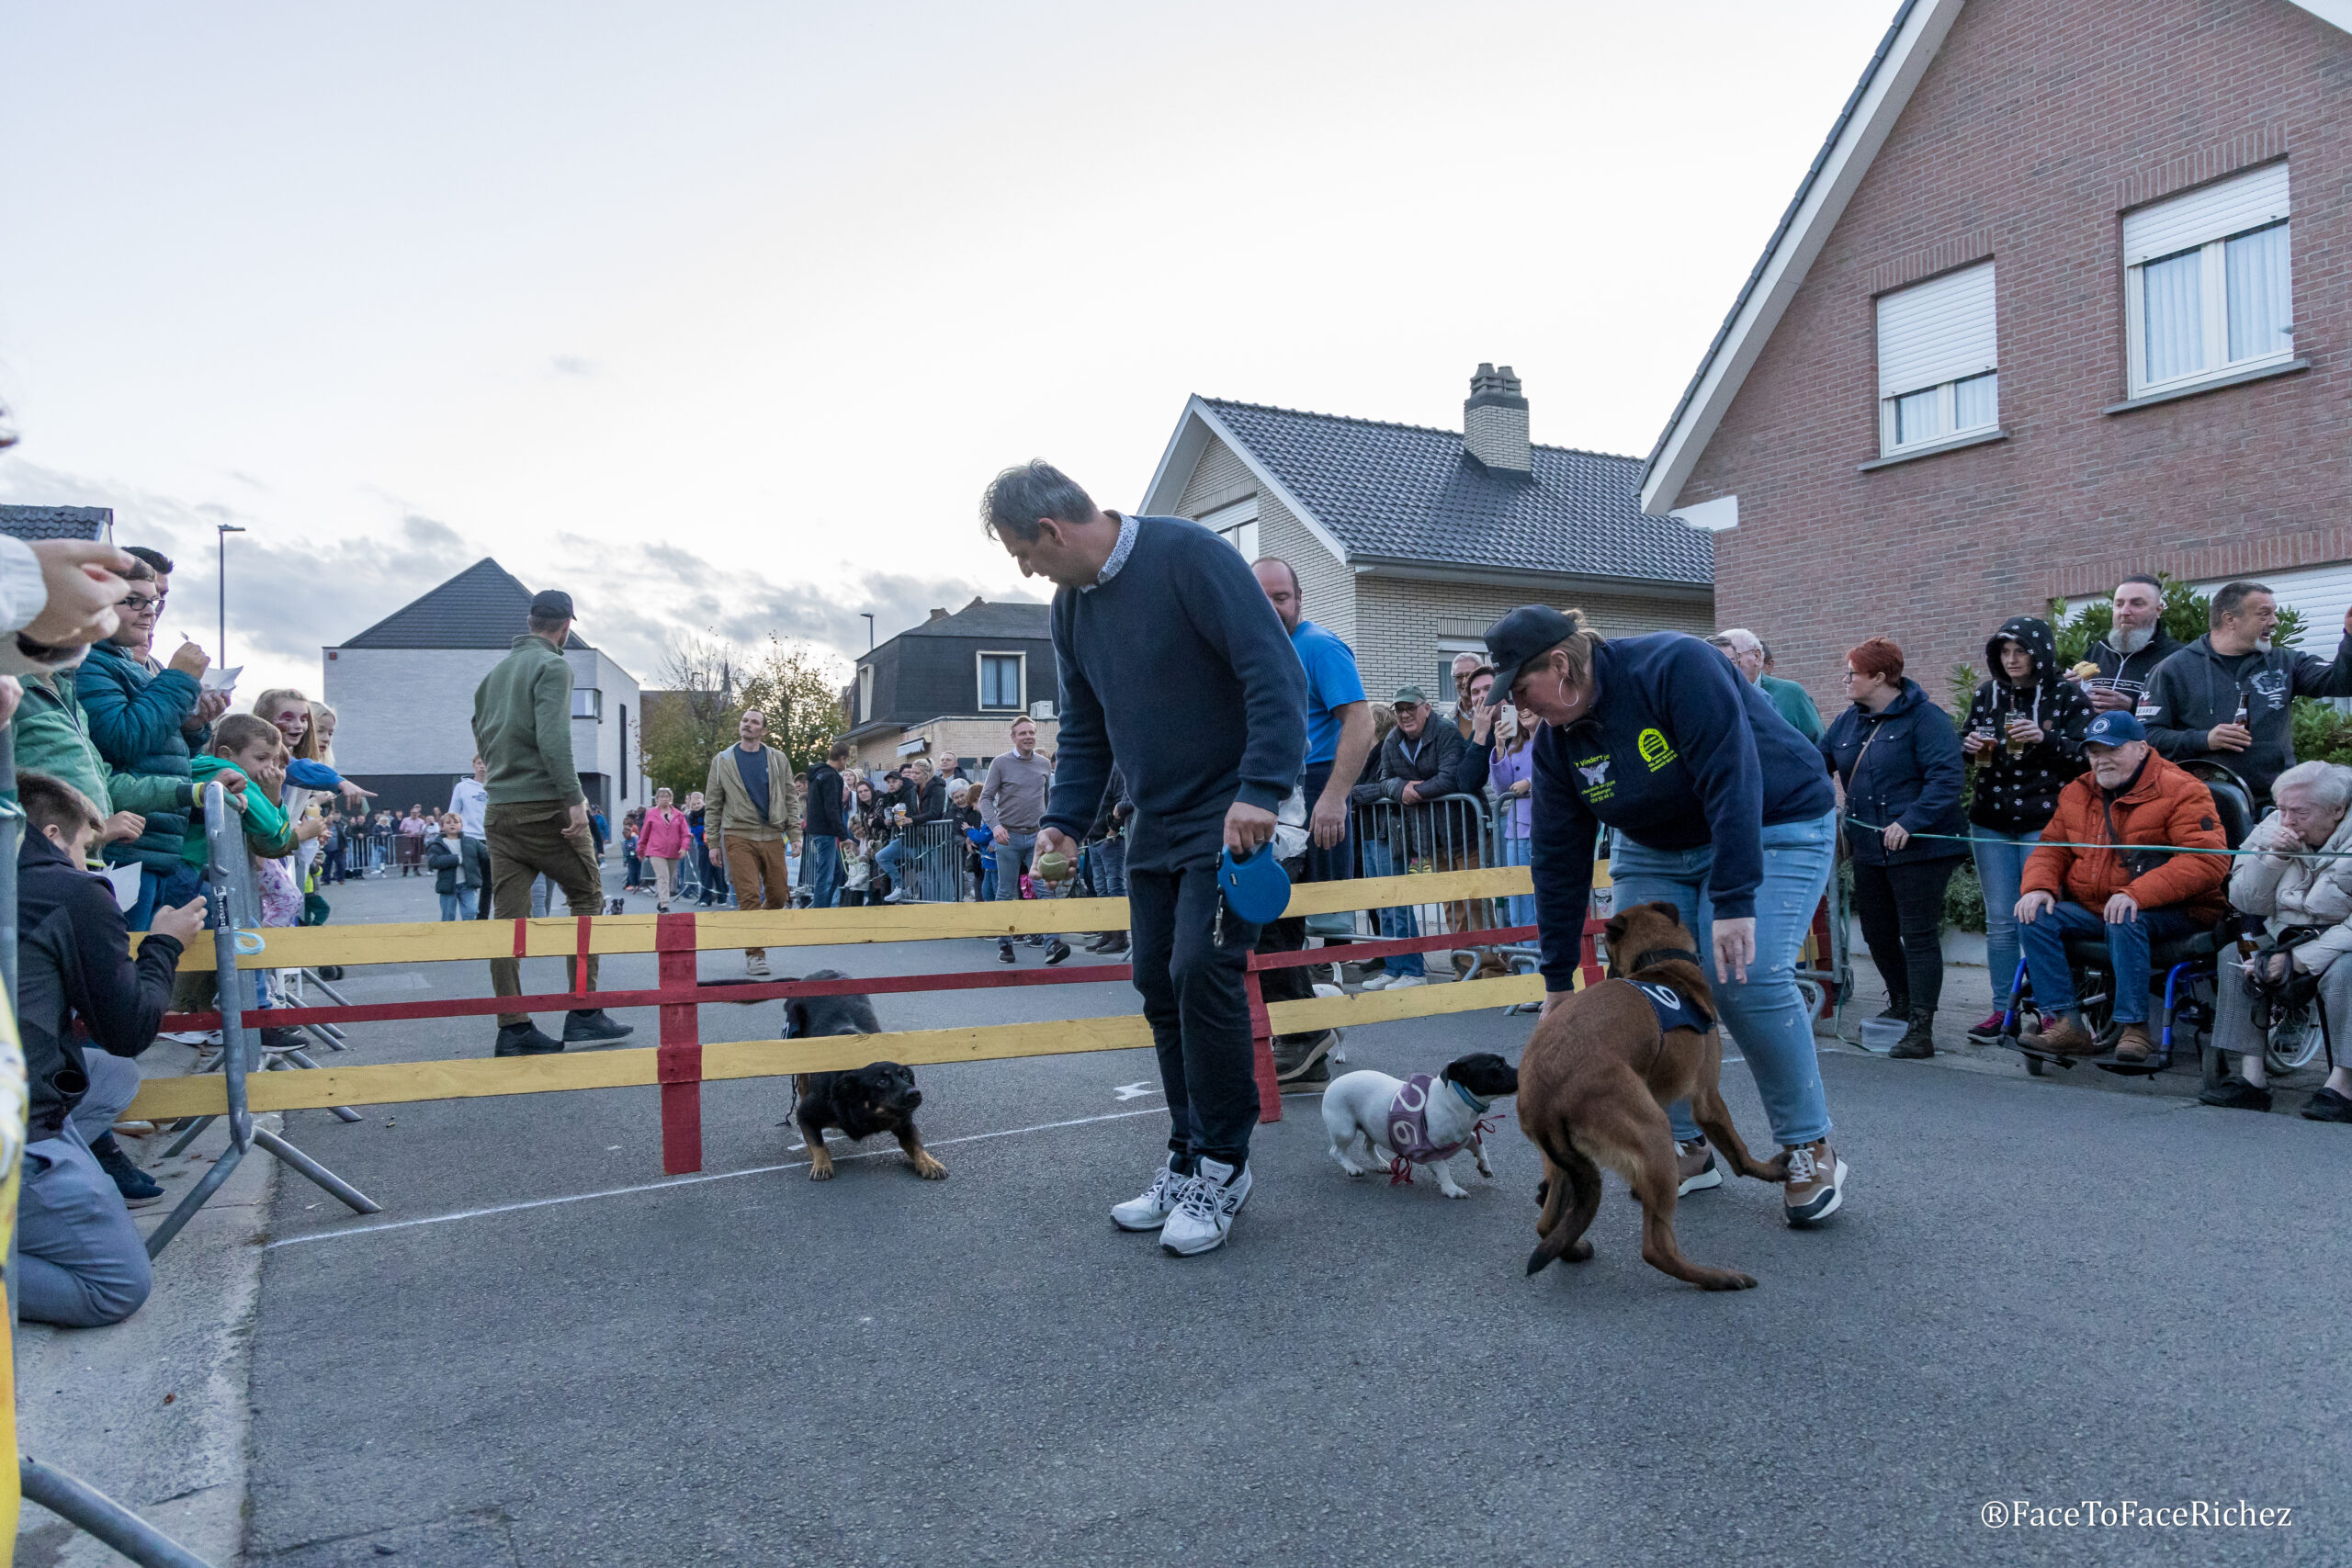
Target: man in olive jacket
(536,820)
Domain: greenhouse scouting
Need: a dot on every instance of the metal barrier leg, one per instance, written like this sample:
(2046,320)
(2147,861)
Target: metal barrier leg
(179,1145)
(198,1195)
(358,1201)
(90,1510)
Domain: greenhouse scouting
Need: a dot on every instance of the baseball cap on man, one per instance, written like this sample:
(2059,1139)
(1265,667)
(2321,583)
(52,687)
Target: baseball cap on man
(2114,727)
(1519,636)
(1409,694)
(551,604)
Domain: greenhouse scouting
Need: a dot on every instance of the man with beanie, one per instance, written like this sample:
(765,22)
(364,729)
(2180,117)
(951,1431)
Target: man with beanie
(537,817)
(1208,760)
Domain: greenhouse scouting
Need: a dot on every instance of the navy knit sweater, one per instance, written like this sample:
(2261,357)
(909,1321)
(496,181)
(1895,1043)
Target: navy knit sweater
(1179,668)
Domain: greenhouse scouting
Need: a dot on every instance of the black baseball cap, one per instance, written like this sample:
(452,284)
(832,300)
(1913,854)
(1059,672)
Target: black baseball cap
(551,604)
(1521,636)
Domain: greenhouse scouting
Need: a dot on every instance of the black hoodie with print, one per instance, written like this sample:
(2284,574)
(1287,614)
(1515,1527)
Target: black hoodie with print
(2018,794)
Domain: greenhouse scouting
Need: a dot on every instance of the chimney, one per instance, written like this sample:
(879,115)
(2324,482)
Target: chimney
(1494,422)
(936,614)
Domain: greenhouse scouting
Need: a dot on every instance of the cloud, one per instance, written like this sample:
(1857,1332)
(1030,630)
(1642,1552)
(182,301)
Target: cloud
(572,365)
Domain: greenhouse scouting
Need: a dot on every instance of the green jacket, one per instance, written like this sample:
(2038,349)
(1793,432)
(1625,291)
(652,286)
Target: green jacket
(267,832)
(1794,703)
(53,737)
(522,725)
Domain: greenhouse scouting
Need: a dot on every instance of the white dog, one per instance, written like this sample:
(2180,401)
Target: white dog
(1420,1120)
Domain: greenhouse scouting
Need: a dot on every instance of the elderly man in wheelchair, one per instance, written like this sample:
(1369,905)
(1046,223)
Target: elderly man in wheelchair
(2129,904)
(2281,993)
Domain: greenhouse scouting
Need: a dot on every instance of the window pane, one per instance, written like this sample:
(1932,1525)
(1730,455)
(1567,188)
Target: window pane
(2173,318)
(1000,681)
(1919,416)
(1976,403)
(2261,300)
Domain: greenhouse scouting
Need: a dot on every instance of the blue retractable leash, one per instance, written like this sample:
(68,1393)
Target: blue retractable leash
(1256,887)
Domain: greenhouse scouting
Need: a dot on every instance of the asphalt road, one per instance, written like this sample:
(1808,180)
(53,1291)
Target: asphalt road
(2038,1290)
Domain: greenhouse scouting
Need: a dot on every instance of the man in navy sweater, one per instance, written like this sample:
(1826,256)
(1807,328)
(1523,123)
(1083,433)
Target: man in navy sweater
(1171,660)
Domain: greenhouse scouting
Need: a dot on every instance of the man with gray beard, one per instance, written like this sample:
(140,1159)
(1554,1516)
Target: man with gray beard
(2128,656)
(2228,697)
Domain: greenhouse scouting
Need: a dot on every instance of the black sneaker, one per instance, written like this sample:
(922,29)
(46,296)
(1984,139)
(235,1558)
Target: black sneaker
(1115,942)
(138,1189)
(594,1027)
(1004,951)
(1306,1062)
(1055,954)
(1034,938)
(2236,1094)
(525,1040)
(1988,1029)
(2328,1106)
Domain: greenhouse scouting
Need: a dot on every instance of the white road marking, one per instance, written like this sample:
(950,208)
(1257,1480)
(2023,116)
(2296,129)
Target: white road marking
(685,1181)
(1135,1091)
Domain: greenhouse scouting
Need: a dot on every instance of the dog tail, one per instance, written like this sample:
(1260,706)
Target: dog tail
(1555,1197)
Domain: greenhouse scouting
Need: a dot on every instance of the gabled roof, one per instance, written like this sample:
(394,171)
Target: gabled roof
(482,606)
(56,522)
(1010,618)
(1855,137)
(1380,493)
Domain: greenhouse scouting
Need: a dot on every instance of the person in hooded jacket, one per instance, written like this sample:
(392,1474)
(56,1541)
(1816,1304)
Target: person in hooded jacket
(2136,644)
(1896,755)
(2229,696)
(2024,735)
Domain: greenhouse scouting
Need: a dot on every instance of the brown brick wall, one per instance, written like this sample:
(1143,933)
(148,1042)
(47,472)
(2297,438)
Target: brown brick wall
(2037,123)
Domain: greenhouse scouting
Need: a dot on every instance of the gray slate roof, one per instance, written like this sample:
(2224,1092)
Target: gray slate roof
(1406,493)
(482,606)
(56,522)
(1014,618)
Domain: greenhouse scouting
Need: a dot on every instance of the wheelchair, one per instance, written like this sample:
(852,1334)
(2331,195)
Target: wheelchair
(2183,970)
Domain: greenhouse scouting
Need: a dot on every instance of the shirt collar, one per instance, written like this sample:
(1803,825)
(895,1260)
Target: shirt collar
(1119,553)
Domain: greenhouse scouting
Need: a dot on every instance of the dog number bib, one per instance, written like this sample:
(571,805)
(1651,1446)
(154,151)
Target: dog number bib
(1674,1010)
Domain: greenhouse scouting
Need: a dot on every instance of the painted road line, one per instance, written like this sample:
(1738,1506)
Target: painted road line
(685,1181)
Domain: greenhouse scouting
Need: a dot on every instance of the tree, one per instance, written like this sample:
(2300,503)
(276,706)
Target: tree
(707,686)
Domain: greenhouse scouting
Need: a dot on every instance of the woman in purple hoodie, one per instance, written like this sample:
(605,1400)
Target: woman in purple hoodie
(1512,771)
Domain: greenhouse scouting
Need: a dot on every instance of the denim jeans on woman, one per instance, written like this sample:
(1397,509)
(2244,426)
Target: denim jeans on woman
(1765,1014)
(2000,869)
(1398,922)
(1523,905)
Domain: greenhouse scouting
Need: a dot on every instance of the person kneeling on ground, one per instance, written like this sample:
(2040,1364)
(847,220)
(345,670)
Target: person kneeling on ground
(2306,901)
(81,1263)
(2136,894)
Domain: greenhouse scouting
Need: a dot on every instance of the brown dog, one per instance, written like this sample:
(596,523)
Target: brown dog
(1594,1084)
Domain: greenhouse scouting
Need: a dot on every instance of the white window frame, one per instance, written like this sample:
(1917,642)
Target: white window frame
(980,679)
(594,703)
(864,693)
(1946,391)
(2213,290)
(1238,525)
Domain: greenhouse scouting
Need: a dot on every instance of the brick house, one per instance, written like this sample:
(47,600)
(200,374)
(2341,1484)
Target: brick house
(2066,295)
(1410,542)
(403,695)
(955,683)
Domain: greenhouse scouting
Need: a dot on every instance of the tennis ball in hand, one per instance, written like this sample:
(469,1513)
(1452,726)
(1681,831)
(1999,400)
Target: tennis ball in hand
(1052,867)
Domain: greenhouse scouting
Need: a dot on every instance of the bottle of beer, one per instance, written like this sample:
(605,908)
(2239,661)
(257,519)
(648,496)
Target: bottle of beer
(2240,717)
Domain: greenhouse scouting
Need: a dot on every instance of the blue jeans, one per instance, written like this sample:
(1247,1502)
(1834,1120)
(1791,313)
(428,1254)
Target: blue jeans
(2000,867)
(1379,860)
(81,1263)
(821,868)
(1523,905)
(157,890)
(1108,858)
(450,908)
(1766,1013)
(2127,948)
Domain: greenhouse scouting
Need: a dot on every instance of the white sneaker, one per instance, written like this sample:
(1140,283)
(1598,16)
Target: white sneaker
(1205,1209)
(895,895)
(191,1036)
(1150,1211)
(755,965)
(1407,982)
(1379,982)
(1327,992)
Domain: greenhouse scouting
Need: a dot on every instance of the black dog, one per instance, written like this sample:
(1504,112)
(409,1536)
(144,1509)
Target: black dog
(879,1097)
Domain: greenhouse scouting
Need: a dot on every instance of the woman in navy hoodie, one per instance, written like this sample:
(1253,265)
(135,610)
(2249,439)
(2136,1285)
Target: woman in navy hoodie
(1899,760)
(1716,805)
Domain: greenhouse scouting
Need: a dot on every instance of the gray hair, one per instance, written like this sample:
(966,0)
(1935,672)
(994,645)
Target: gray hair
(2330,783)
(1018,497)
(1731,638)
(2229,597)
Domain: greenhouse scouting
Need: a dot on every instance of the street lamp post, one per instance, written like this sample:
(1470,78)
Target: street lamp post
(226,529)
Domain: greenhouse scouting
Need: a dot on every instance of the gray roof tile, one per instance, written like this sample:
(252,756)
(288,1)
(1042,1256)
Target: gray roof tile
(482,606)
(1404,492)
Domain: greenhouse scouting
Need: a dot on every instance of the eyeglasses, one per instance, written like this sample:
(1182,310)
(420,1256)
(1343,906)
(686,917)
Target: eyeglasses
(1854,675)
(140,604)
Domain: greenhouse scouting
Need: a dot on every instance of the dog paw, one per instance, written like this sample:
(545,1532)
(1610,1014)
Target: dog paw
(1725,1280)
(821,1171)
(1455,1191)
(1580,1250)
(931,1170)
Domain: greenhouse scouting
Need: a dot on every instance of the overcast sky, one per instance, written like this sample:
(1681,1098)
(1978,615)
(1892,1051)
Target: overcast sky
(720,316)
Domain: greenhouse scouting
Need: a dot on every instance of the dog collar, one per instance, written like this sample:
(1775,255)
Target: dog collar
(1659,955)
(1472,1101)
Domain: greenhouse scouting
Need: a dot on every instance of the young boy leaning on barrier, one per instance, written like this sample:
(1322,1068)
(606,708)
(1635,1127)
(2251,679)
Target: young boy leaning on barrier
(247,750)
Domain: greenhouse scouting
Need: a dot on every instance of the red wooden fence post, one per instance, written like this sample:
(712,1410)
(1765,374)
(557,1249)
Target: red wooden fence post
(678,1059)
(1261,1048)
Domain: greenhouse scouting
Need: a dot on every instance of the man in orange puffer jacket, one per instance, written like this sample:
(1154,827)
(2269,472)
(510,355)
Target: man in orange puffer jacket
(2135,893)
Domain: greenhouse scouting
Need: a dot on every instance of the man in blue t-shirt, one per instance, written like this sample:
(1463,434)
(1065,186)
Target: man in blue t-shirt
(1339,737)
